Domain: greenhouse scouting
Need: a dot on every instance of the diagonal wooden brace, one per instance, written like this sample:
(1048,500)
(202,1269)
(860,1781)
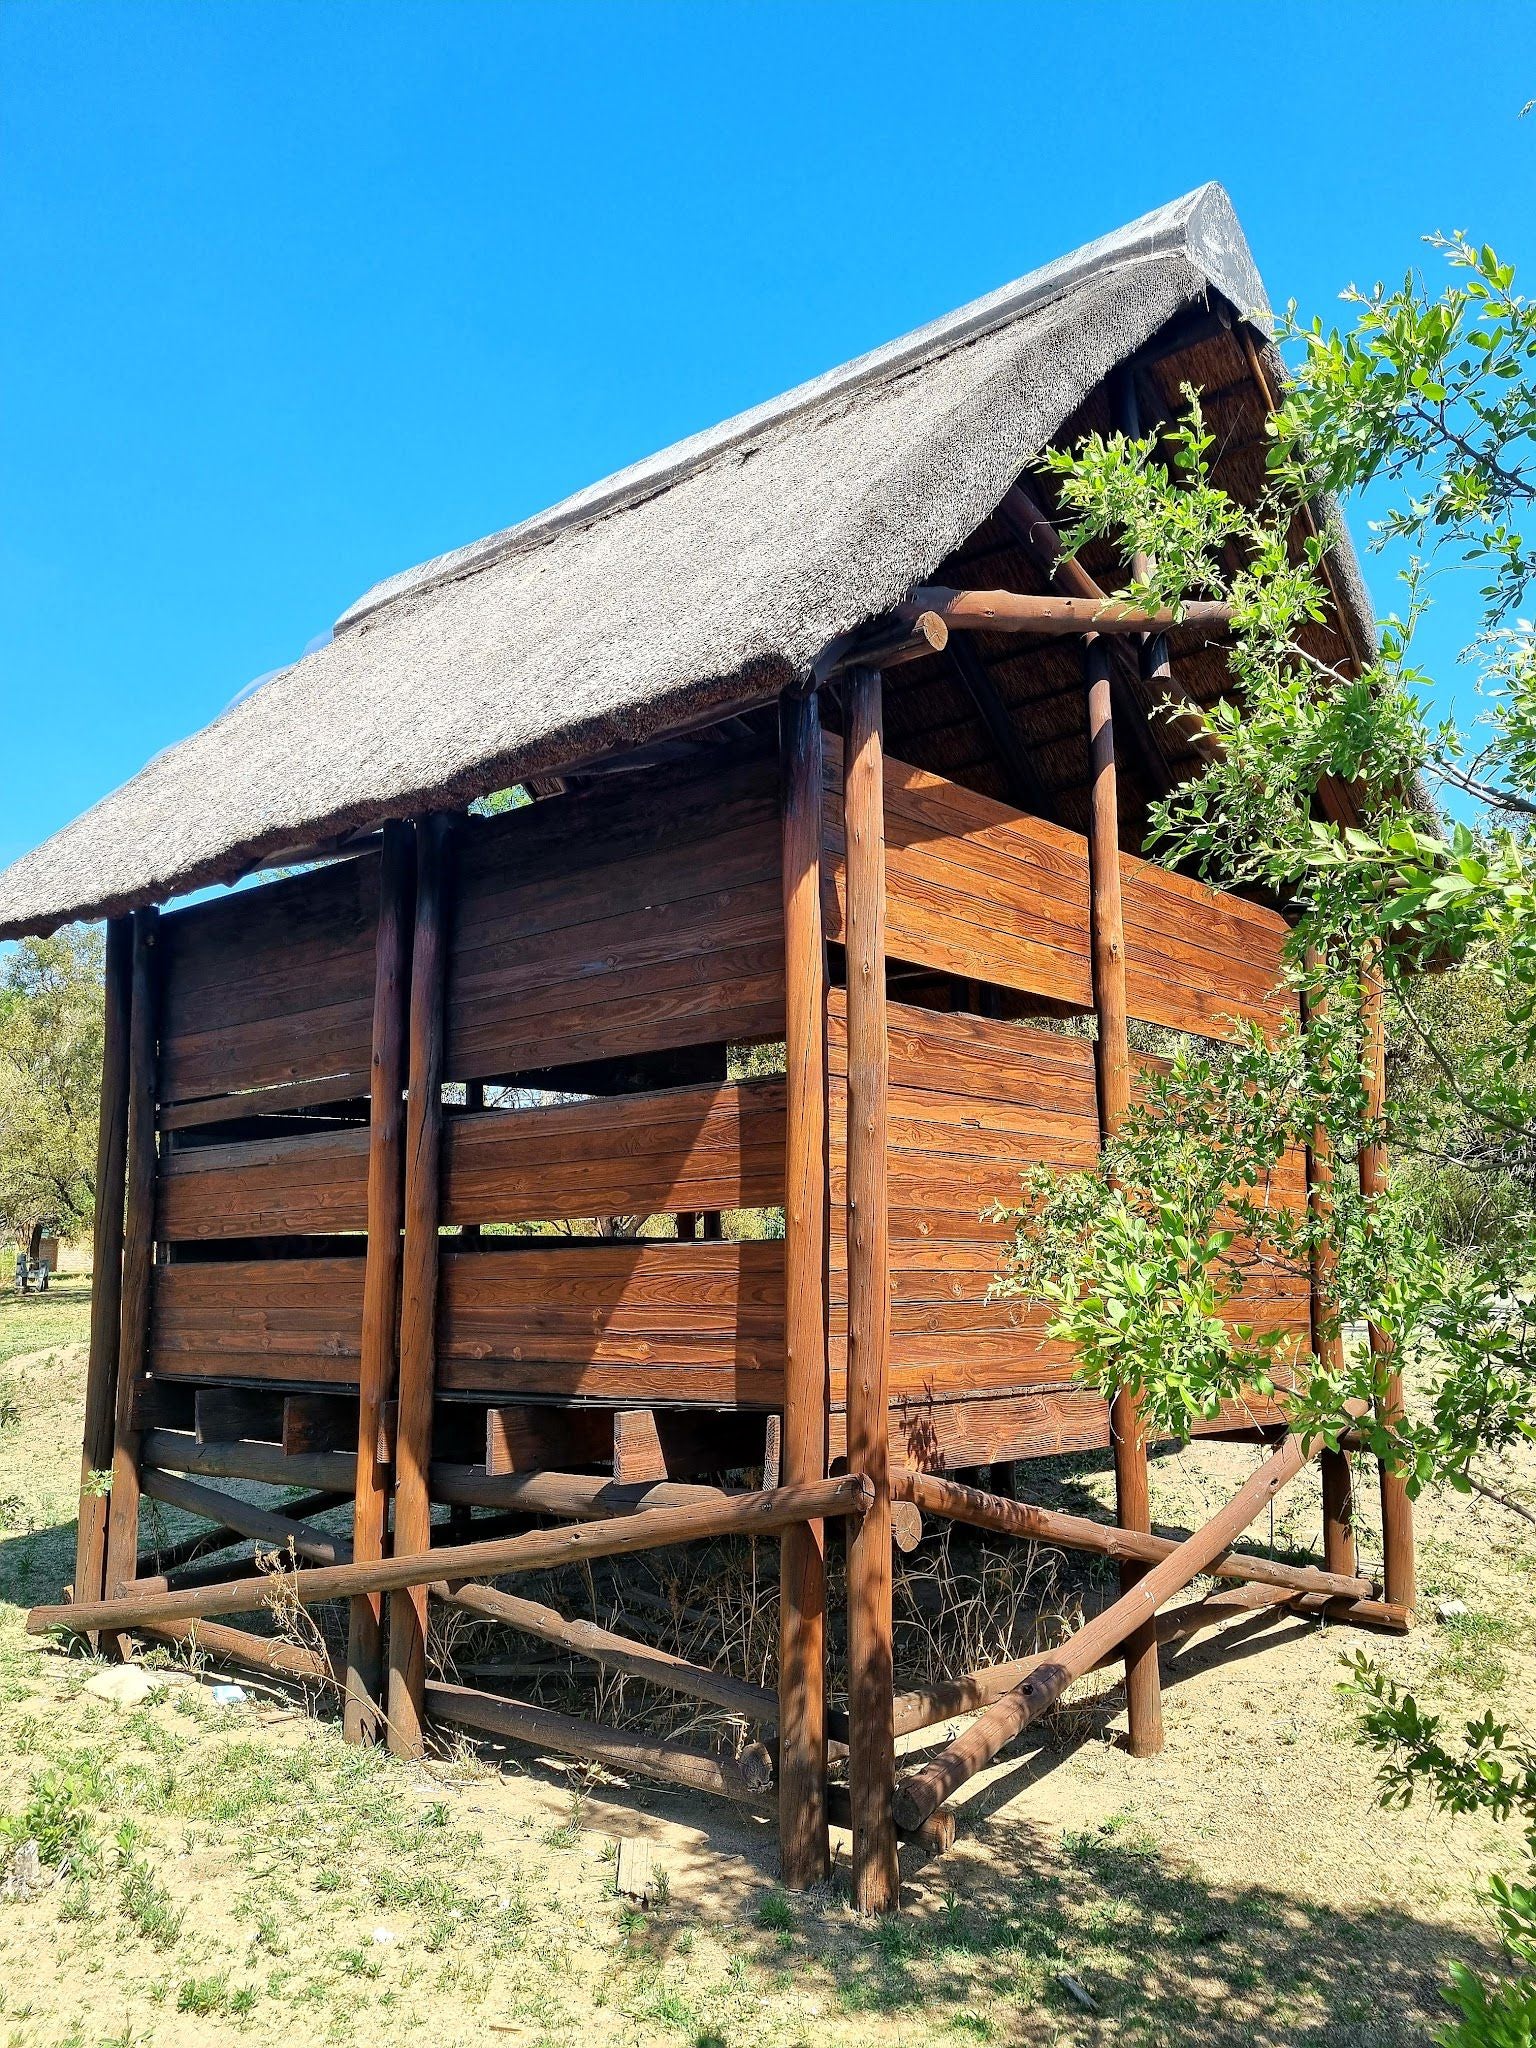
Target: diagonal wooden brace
(1051,1673)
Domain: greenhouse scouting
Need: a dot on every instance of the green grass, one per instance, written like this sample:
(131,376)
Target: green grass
(39,1322)
(1468,1651)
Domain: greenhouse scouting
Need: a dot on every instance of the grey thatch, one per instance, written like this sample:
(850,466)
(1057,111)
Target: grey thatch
(687,587)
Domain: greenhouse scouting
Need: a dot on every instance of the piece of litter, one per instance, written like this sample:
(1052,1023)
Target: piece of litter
(228,1695)
(385,1936)
(25,1875)
(1075,1988)
(635,1877)
(1450,1610)
(125,1685)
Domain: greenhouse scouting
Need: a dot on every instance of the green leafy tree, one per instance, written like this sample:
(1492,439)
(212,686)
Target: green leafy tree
(50,1082)
(1427,403)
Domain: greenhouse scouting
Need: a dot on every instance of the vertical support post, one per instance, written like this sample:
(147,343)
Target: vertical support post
(106,1262)
(1112,1057)
(138,1261)
(381,1274)
(871,1667)
(418,1293)
(1396,1508)
(803,1846)
(1328,1342)
(474,1101)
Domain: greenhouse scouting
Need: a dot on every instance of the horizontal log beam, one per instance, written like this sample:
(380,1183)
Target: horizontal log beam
(614,1652)
(579,1496)
(922,626)
(259,1653)
(576,1496)
(1077,1532)
(257,1524)
(1055,1670)
(752,1514)
(1010,611)
(175,1450)
(645,1755)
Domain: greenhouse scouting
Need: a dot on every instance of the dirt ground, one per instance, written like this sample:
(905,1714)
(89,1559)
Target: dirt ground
(222,1872)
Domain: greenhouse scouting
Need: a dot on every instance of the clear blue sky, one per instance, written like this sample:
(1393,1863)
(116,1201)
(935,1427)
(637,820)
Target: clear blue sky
(296,295)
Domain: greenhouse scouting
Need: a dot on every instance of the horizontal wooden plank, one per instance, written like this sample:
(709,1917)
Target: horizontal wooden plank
(293,1319)
(265,1187)
(972,887)
(637,1319)
(716,1147)
(640,917)
(269,985)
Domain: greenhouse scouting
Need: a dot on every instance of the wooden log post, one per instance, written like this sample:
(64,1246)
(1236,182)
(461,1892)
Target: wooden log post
(96,1438)
(381,1274)
(418,1294)
(804,1849)
(1112,1060)
(1396,1509)
(138,1259)
(871,1667)
(1327,1337)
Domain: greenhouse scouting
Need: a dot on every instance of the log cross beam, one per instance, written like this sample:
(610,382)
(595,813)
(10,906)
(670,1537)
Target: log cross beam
(1050,1674)
(749,1514)
(923,624)
(1039,539)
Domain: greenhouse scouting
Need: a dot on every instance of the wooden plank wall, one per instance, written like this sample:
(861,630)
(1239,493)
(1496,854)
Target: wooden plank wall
(271,985)
(974,1103)
(632,919)
(641,918)
(982,891)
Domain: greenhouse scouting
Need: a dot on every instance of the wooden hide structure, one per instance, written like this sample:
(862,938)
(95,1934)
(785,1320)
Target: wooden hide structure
(562,1162)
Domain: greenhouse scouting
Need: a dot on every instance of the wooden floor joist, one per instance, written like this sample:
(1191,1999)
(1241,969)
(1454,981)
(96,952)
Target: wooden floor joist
(752,1514)
(576,1495)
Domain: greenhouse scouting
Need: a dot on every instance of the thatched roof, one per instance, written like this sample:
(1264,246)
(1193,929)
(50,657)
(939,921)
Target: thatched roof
(688,587)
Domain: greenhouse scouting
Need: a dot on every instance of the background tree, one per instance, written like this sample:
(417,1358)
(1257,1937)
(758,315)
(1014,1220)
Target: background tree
(50,1082)
(1428,404)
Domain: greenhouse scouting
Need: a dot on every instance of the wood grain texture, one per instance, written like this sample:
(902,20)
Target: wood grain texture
(1112,1067)
(382,1193)
(805,1853)
(96,1442)
(871,1674)
(261,1319)
(138,1256)
(713,1147)
(266,1187)
(628,1319)
(419,1279)
(271,985)
(623,921)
